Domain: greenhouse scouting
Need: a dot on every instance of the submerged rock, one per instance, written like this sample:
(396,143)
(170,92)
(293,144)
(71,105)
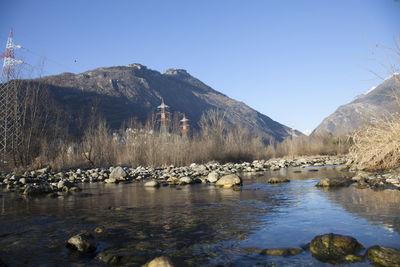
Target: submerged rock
(384,256)
(82,242)
(333,246)
(281,251)
(109,257)
(277,180)
(111,181)
(229,180)
(334,182)
(32,190)
(162,261)
(152,183)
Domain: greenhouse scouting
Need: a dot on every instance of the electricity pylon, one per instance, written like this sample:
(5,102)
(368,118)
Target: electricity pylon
(163,118)
(184,126)
(10,115)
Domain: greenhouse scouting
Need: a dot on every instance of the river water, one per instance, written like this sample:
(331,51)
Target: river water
(197,225)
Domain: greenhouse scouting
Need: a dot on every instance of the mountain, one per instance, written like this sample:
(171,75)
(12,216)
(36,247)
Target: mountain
(378,102)
(123,92)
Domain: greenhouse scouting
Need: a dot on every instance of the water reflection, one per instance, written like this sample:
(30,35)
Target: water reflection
(378,207)
(199,224)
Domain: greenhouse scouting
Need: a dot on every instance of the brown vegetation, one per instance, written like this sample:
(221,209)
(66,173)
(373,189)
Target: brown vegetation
(143,145)
(377,146)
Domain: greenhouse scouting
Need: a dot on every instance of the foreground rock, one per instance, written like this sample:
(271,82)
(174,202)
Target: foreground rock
(229,181)
(384,256)
(162,261)
(277,180)
(334,247)
(334,182)
(82,242)
(281,251)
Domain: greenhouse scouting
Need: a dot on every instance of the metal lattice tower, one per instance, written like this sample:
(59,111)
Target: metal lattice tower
(184,126)
(163,118)
(10,116)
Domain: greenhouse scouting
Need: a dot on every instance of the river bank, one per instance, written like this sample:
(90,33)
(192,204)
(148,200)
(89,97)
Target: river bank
(45,181)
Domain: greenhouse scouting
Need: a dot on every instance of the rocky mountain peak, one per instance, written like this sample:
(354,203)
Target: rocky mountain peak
(137,66)
(177,72)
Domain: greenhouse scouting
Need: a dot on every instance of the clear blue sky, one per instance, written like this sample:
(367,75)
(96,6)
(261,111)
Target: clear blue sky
(295,61)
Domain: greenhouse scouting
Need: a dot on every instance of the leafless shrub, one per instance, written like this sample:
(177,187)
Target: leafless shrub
(377,146)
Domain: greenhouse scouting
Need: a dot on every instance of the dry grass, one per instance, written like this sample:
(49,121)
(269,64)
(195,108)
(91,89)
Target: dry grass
(143,145)
(377,146)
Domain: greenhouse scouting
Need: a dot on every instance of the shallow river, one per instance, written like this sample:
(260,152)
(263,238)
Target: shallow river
(197,225)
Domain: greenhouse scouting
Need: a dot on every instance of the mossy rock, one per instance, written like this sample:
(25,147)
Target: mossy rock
(334,182)
(384,256)
(334,247)
(353,258)
(281,251)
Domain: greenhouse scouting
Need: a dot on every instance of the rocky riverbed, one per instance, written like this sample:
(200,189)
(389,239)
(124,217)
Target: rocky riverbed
(45,181)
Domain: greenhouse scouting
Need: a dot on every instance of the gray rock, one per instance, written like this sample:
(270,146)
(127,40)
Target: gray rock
(213,177)
(185,180)
(152,183)
(162,261)
(111,181)
(118,172)
(229,180)
(82,242)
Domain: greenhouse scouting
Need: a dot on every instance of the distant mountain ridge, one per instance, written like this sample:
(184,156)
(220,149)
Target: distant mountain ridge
(123,92)
(378,102)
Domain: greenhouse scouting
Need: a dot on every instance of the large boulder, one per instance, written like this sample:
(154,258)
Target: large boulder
(117,173)
(229,181)
(333,246)
(162,261)
(213,177)
(384,256)
(82,242)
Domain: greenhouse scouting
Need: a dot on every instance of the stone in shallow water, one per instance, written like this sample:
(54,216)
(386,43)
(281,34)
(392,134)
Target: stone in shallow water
(152,183)
(281,251)
(384,256)
(334,182)
(32,190)
(229,180)
(185,180)
(333,246)
(277,180)
(162,261)
(82,242)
